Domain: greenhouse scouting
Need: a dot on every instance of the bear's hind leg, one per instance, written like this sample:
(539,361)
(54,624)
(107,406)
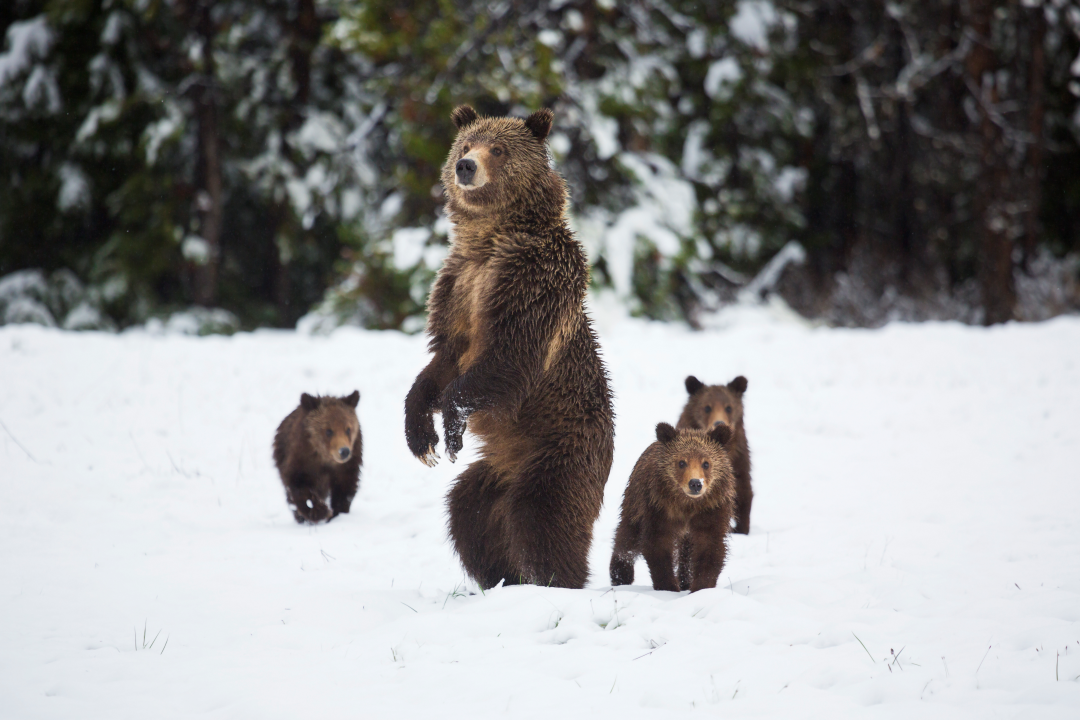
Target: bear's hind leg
(553,505)
(744,497)
(477,527)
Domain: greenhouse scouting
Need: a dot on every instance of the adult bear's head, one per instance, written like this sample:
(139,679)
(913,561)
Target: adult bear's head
(500,165)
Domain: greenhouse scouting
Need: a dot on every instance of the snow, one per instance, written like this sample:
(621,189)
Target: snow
(74,188)
(752,21)
(915,487)
(789,181)
(408,246)
(26,39)
(791,254)
(721,79)
(663,212)
(195,249)
(41,90)
(321,132)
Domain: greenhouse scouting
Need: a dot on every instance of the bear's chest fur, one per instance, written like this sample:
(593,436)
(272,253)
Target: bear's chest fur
(474,283)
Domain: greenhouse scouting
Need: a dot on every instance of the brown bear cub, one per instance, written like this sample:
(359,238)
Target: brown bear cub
(710,406)
(318,451)
(515,357)
(676,510)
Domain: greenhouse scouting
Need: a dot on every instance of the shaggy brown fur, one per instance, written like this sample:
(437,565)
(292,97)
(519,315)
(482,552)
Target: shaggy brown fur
(712,404)
(318,451)
(515,356)
(678,503)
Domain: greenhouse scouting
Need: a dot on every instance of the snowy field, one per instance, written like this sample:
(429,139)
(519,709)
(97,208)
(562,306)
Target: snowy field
(915,548)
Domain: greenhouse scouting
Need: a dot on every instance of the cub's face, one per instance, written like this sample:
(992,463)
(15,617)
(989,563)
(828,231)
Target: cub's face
(714,405)
(332,426)
(693,474)
(697,461)
(496,161)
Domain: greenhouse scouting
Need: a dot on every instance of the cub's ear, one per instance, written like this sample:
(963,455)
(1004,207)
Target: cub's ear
(665,433)
(693,384)
(721,434)
(352,400)
(539,123)
(309,402)
(738,385)
(463,115)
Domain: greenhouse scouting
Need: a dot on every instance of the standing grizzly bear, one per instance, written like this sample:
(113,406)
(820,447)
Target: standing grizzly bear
(678,503)
(516,358)
(713,405)
(318,451)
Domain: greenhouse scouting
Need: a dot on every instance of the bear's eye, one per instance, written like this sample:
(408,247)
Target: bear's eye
(496,151)
(728,409)
(705,465)
(329,432)
(348,432)
(708,408)
(682,463)
(465,150)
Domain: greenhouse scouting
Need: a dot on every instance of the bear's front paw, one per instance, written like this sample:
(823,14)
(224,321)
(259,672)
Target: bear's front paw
(421,437)
(453,429)
(311,511)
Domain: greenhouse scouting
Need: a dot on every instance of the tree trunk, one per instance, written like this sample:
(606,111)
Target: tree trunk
(1036,95)
(303,35)
(210,197)
(994,254)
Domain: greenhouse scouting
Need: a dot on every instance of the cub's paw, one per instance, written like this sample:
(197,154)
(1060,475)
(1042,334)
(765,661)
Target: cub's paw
(311,511)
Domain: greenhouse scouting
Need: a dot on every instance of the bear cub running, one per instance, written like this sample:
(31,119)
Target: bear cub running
(318,451)
(713,405)
(676,510)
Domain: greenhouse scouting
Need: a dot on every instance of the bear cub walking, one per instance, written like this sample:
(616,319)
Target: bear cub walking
(712,405)
(676,510)
(318,451)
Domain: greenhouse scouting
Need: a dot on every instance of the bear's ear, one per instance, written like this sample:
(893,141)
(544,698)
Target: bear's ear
(352,400)
(720,434)
(463,115)
(309,402)
(693,384)
(539,123)
(738,385)
(665,433)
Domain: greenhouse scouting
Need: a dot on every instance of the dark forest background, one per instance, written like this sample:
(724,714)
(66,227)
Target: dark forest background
(247,163)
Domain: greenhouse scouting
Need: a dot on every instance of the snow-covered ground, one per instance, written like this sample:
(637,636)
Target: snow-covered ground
(915,548)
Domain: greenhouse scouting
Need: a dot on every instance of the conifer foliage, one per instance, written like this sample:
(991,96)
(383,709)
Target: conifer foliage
(280,158)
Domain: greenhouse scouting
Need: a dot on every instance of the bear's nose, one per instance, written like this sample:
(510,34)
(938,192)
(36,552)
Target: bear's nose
(695,486)
(466,169)
(718,423)
(344,453)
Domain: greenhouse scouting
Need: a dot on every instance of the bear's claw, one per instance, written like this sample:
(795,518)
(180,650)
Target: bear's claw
(430,457)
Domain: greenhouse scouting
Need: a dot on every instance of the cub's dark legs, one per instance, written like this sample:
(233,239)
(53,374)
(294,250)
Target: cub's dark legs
(342,493)
(744,497)
(627,548)
(708,550)
(553,503)
(658,547)
(308,501)
(477,510)
(685,572)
